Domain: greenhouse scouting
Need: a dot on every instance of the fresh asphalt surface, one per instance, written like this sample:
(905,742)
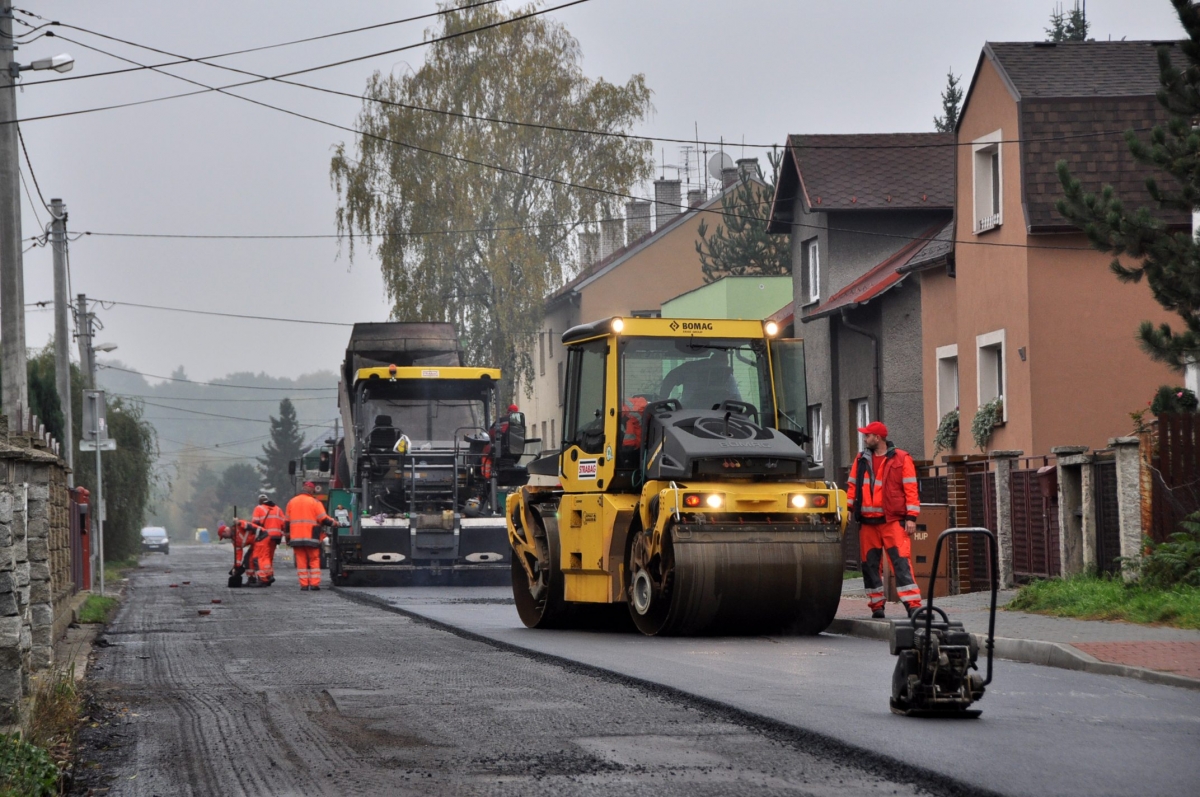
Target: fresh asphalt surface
(283,692)
(1043,730)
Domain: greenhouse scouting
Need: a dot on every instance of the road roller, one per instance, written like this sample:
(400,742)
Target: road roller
(679,495)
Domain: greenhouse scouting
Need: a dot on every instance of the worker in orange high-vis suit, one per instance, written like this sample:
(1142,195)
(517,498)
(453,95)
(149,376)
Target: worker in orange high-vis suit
(883,496)
(305,530)
(241,534)
(270,518)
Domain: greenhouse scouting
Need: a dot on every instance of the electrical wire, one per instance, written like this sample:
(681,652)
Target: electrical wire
(208,414)
(221,400)
(242,316)
(208,384)
(32,174)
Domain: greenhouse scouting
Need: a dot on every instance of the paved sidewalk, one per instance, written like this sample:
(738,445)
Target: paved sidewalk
(1161,648)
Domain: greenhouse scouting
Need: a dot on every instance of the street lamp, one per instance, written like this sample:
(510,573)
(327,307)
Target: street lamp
(59,63)
(105,347)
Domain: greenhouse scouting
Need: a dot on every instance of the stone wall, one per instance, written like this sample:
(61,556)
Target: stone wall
(35,564)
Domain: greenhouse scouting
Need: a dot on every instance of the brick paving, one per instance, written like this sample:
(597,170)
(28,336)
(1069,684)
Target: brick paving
(1162,648)
(1181,658)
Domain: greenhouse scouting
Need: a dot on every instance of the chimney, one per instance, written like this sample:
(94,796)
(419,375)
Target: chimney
(589,249)
(666,202)
(729,176)
(748,167)
(612,236)
(637,220)
(696,196)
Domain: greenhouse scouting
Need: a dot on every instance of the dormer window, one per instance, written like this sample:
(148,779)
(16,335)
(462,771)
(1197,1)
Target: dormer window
(989,183)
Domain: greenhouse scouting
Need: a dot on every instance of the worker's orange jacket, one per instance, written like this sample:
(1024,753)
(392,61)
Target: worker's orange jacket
(271,518)
(244,533)
(887,495)
(305,518)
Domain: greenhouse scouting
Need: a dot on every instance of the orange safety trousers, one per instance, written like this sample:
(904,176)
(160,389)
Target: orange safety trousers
(308,565)
(262,560)
(874,540)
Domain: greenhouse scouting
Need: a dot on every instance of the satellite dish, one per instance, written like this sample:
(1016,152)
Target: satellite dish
(717,163)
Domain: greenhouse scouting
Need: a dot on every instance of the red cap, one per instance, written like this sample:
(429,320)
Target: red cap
(311,484)
(513,408)
(874,427)
(222,531)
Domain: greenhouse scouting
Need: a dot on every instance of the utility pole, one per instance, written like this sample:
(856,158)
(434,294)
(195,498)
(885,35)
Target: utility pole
(14,399)
(62,357)
(87,357)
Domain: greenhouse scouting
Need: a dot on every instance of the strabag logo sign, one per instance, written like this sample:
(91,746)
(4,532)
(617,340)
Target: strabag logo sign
(587,468)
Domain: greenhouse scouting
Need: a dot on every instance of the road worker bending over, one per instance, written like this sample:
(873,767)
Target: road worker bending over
(270,518)
(241,534)
(305,532)
(882,494)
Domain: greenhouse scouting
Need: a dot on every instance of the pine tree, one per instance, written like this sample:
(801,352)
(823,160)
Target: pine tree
(740,245)
(951,103)
(1068,26)
(1168,261)
(283,447)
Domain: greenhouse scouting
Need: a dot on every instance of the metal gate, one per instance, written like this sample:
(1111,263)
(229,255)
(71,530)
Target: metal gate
(1034,527)
(981,511)
(1108,526)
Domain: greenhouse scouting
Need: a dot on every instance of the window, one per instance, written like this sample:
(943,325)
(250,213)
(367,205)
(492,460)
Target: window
(989,187)
(560,382)
(551,441)
(861,409)
(812,271)
(992,371)
(947,379)
(584,416)
(550,344)
(816,428)
(543,432)
(542,353)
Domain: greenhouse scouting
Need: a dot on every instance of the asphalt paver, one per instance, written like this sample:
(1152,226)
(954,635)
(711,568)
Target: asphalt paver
(1044,730)
(282,692)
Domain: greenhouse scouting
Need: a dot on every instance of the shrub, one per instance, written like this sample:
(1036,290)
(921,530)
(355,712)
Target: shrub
(947,432)
(1174,399)
(26,770)
(1175,561)
(985,421)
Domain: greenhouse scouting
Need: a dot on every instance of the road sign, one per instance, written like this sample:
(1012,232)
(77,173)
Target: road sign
(107,444)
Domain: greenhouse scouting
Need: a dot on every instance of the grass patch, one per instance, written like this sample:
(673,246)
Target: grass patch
(1099,598)
(114,570)
(26,770)
(97,609)
(847,575)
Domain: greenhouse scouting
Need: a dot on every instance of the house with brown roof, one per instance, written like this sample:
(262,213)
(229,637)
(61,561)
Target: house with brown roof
(1028,312)
(860,209)
(635,269)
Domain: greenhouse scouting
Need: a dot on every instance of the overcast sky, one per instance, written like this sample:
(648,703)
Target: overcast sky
(752,70)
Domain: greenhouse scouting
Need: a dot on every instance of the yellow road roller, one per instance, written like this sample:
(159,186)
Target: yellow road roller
(682,496)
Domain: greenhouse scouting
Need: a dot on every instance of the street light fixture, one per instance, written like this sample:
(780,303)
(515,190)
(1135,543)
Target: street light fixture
(59,63)
(105,347)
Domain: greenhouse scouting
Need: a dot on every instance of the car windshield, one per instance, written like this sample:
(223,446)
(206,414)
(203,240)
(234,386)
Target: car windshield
(699,372)
(154,532)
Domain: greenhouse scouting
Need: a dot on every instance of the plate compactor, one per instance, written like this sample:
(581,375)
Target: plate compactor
(936,672)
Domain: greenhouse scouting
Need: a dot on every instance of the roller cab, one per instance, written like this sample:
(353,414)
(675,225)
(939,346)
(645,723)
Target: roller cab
(683,501)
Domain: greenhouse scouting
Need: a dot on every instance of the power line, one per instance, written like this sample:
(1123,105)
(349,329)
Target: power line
(243,316)
(220,400)
(212,414)
(205,59)
(32,175)
(208,384)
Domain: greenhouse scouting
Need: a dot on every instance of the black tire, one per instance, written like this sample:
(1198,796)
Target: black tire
(547,609)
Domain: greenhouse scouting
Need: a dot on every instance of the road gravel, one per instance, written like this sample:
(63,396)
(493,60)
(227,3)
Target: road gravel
(283,692)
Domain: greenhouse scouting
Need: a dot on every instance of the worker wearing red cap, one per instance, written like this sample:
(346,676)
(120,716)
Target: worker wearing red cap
(241,534)
(492,448)
(270,518)
(305,531)
(882,493)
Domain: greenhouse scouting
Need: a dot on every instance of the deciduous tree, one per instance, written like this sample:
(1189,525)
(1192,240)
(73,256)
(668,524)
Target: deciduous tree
(414,206)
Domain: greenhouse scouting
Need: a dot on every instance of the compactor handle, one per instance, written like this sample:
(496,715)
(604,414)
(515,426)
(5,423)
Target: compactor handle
(993,565)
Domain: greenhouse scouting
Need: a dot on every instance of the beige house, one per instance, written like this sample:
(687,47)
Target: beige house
(634,279)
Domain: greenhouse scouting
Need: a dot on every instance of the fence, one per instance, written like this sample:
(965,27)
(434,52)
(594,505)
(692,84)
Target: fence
(1176,473)
(1033,489)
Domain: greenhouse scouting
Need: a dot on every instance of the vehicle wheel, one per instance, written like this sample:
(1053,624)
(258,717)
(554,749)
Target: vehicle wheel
(649,583)
(539,600)
(167,551)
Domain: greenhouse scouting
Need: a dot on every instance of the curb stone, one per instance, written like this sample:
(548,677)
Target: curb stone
(1031,651)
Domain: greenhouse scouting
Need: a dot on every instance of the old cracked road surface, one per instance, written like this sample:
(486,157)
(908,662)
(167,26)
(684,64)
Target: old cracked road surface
(284,692)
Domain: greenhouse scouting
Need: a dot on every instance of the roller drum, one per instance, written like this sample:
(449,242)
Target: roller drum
(737,579)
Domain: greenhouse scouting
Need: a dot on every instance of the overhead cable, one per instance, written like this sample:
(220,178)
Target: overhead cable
(208,384)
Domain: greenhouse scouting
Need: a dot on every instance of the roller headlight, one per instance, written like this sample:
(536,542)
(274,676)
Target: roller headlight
(714,501)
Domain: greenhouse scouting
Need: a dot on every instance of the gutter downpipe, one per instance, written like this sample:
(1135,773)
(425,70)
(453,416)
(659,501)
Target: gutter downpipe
(875,356)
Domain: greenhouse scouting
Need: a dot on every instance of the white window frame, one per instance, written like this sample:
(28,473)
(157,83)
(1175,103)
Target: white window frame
(816,430)
(984,344)
(982,150)
(946,400)
(812,257)
(862,417)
